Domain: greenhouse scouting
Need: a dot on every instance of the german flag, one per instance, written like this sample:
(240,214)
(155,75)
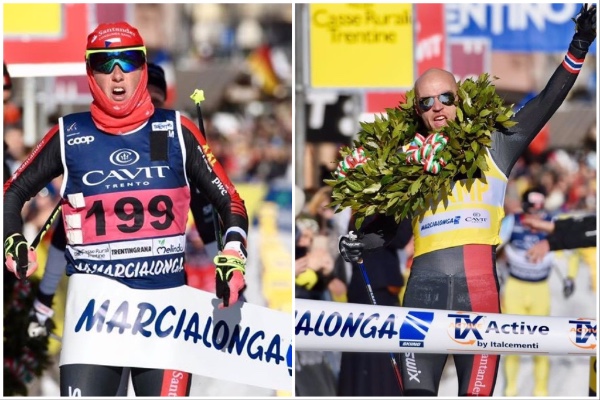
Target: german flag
(262,69)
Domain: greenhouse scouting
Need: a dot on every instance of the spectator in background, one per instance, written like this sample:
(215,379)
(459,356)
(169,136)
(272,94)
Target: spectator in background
(314,265)
(315,375)
(327,235)
(15,146)
(157,85)
(526,288)
(568,233)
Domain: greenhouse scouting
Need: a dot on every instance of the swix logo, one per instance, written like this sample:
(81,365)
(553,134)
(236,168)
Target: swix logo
(80,140)
(583,333)
(463,325)
(411,367)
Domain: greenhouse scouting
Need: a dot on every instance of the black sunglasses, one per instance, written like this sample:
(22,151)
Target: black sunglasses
(447,99)
(105,61)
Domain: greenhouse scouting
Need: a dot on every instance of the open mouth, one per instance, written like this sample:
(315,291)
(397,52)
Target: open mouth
(118,94)
(439,121)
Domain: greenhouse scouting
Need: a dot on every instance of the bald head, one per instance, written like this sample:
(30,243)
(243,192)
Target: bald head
(435,77)
(435,93)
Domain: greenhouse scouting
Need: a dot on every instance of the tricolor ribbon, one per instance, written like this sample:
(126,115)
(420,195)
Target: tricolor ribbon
(352,160)
(425,151)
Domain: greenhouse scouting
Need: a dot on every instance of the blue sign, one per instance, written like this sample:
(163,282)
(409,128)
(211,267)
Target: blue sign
(531,27)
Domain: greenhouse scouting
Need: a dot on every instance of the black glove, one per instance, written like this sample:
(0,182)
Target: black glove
(568,287)
(585,30)
(351,248)
(230,269)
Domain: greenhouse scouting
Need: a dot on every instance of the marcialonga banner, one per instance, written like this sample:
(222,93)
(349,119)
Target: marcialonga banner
(181,329)
(323,325)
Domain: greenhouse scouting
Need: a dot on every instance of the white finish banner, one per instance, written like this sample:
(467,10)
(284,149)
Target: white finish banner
(324,325)
(181,328)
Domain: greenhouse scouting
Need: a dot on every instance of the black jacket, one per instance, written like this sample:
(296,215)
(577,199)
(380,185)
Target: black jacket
(572,233)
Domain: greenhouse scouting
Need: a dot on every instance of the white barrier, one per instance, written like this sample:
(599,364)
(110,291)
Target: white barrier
(324,325)
(180,329)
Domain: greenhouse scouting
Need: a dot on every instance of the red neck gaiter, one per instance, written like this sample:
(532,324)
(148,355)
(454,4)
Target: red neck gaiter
(120,118)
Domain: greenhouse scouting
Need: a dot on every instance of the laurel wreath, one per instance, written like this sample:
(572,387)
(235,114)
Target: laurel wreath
(387,184)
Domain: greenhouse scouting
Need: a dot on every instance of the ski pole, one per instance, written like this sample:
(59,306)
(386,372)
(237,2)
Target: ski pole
(23,265)
(46,227)
(363,272)
(198,97)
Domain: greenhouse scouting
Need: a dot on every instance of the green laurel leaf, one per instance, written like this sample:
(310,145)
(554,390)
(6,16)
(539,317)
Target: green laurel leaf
(386,184)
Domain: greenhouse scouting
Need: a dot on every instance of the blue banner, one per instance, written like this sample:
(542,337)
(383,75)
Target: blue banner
(532,27)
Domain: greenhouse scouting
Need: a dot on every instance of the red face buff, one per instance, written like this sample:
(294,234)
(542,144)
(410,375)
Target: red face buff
(107,46)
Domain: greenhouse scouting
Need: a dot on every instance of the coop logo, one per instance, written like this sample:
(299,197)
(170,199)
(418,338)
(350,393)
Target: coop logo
(80,140)
(463,326)
(583,333)
(414,328)
(124,157)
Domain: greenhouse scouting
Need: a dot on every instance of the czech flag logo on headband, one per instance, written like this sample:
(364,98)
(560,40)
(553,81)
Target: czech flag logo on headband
(110,42)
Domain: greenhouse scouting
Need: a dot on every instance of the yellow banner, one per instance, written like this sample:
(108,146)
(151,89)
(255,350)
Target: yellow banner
(361,45)
(39,19)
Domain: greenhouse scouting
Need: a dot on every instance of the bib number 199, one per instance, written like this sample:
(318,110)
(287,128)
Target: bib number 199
(132,212)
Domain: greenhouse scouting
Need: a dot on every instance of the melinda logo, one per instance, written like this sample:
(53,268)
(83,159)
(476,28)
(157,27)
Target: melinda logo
(124,157)
(414,328)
